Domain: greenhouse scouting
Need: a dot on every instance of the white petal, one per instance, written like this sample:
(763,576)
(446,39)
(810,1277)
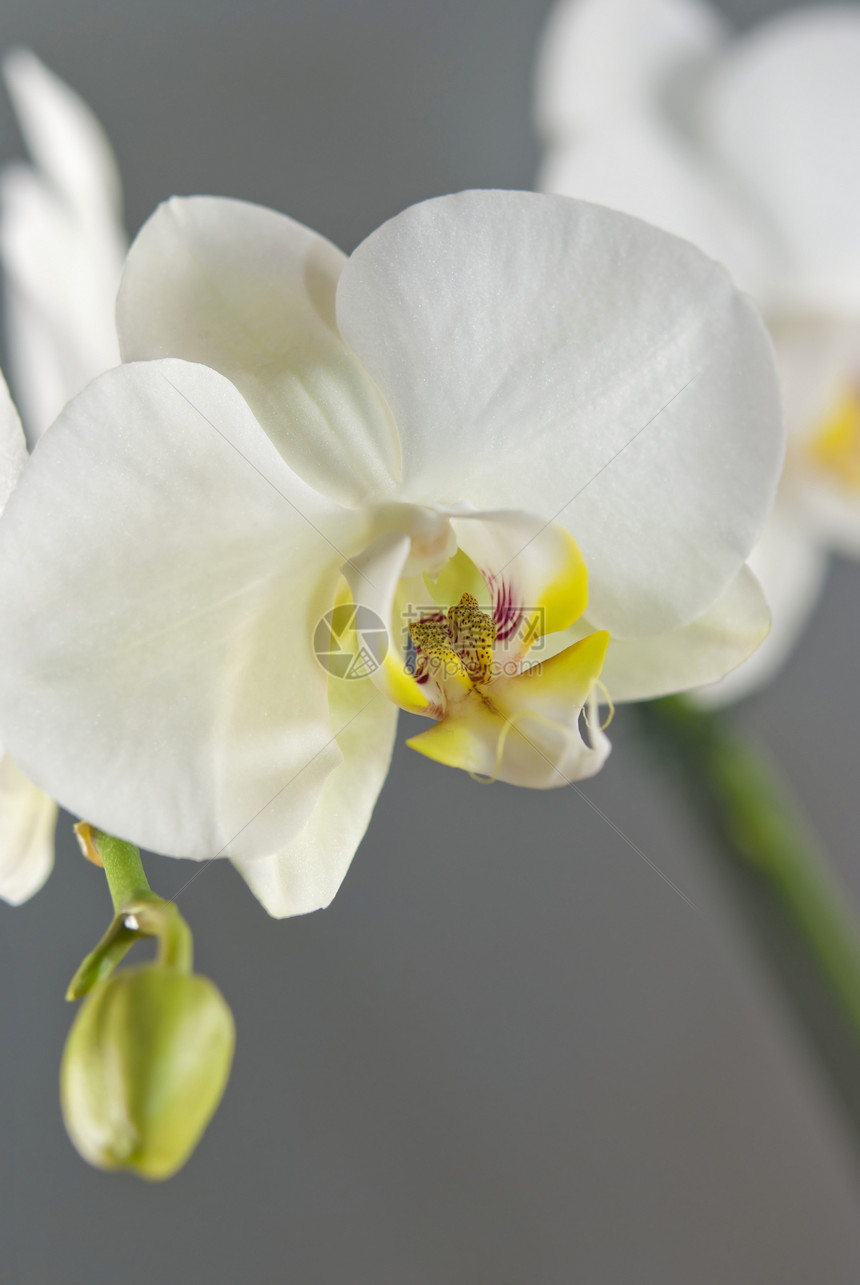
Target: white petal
(544,354)
(782,112)
(13,447)
(307,874)
(251,293)
(791,568)
(701,652)
(40,383)
(62,244)
(27,824)
(644,166)
(62,279)
(28,818)
(819,363)
(64,138)
(601,58)
(831,513)
(161,573)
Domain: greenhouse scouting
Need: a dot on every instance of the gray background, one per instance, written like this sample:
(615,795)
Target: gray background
(509,1053)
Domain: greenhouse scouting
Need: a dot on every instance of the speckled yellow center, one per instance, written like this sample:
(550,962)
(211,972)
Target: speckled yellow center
(461,644)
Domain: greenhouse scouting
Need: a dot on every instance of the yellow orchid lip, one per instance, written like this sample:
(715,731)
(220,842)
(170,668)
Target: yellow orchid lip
(525,729)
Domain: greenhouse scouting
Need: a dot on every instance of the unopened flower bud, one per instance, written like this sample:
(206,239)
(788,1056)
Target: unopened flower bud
(144,1068)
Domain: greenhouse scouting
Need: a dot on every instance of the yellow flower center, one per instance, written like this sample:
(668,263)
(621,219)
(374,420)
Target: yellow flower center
(459,645)
(835,447)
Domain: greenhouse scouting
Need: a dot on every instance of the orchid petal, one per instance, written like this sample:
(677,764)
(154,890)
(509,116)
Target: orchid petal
(171,696)
(250,293)
(791,568)
(29,818)
(62,245)
(831,514)
(65,139)
(61,286)
(306,875)
(526,730)
(601,58)
(27,815)
(701,652)
(549,355)
(819,362)
(781,111)
(13,447)
(643,166)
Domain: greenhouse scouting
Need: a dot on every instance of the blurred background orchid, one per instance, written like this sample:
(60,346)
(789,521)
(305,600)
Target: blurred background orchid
(746,144)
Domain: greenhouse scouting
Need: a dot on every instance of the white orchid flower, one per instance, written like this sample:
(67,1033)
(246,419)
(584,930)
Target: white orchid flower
(62,247)
(524,428)
(745,145)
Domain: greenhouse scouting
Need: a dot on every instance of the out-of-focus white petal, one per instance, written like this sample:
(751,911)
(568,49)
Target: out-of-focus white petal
(40,384)
(642,166)
(307,874)
(781,110)
(831,513)
(161,573)
(250,293)
(526,730)
(602,58)
(28,818)
(61,282)
(791,567)
(64,138)
(550,355)
(819,363)
(62,245)
(13,447)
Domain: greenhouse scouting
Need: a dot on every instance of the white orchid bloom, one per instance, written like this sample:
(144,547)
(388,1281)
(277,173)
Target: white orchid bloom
(746,146)
(494,397)
(62,246)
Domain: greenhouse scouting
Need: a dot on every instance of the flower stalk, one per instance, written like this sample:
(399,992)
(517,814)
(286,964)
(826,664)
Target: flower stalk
(120,860)
(138,913)
(801,915)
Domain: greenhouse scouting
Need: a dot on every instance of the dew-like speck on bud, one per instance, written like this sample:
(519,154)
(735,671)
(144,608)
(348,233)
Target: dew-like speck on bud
(144,1068)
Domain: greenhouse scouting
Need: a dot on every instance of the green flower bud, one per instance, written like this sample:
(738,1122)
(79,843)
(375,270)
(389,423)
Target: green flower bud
(145,1065)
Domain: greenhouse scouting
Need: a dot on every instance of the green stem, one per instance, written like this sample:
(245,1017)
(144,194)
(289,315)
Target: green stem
(125,874)
(742,796)
(138,913)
